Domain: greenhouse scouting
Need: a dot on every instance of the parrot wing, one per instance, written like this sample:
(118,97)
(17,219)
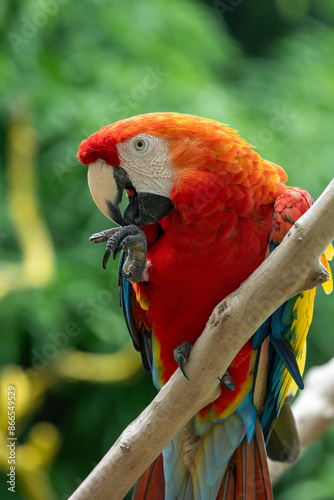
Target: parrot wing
(281,360)
(136,318)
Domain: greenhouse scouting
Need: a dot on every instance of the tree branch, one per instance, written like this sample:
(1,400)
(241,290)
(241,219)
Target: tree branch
(292,267)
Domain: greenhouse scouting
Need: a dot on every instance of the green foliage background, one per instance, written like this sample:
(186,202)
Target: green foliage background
(69,67)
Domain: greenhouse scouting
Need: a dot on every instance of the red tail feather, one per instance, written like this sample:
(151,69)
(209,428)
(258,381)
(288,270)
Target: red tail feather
(151,485)
(248,475)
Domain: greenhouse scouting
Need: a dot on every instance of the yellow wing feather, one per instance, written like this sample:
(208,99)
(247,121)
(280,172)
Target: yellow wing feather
(326,256)
(303,310)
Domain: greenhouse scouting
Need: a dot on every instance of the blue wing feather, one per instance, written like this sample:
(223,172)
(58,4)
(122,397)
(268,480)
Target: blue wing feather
(141,337)
(281,355)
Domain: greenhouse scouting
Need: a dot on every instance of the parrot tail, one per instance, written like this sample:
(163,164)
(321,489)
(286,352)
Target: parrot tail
(151,484)
(247,476)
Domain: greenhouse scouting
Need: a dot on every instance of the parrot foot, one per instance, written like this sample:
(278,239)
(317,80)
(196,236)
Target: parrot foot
(182,354)
(130,239)
(227,381)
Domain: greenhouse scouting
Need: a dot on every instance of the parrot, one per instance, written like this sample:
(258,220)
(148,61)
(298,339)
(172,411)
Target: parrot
(203,211)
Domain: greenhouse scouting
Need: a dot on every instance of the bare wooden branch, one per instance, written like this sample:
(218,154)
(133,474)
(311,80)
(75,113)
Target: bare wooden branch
(294,266)
(313,411)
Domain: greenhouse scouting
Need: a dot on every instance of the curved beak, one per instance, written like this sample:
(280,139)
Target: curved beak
(107,185)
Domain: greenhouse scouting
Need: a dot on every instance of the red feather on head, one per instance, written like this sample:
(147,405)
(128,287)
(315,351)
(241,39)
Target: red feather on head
(102,145)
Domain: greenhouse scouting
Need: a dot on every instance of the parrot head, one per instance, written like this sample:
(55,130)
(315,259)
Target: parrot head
(144,156)
(161,161)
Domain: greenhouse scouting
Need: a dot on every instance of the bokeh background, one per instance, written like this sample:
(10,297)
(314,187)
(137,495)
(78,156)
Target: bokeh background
(68,67)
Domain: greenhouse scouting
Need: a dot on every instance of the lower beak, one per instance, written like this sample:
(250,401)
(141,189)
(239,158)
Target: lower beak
(147,208)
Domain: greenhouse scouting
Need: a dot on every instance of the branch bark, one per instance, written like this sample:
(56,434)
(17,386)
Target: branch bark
(313,411)
(294,266)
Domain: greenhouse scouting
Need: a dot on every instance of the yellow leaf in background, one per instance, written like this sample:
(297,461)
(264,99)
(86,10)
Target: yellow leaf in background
(38,264)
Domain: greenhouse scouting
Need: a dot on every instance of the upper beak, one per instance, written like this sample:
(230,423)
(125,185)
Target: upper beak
(143,208)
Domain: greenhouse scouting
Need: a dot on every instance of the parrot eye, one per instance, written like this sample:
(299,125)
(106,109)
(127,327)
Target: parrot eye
(140,145)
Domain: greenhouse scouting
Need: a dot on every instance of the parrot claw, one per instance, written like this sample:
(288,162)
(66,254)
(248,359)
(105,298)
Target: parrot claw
(227,381)
(130,239)
(182,354)
(103,235)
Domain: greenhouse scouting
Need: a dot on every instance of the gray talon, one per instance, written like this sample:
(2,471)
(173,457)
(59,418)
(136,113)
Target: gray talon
(103,235)
(182,354)
(227,381)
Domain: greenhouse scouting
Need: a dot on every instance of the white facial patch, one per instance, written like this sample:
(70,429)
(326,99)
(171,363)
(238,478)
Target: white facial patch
(146,161)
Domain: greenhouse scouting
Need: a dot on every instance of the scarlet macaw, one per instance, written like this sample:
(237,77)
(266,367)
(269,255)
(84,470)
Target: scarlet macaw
(207,209)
